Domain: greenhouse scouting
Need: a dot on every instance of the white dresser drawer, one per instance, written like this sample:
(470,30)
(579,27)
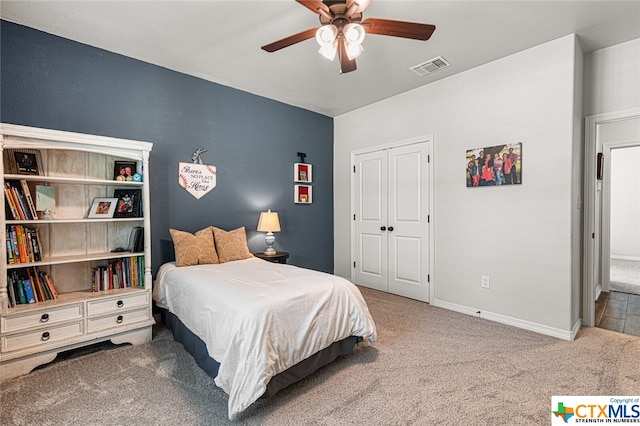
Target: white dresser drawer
(40,337)
(115,304)
(117,320)
(40,317)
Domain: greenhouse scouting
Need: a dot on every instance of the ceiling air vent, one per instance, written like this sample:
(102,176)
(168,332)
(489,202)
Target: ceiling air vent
(430,66)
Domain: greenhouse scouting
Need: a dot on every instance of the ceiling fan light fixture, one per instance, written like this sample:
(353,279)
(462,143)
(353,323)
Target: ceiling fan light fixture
(353,50)
(326,35)
(329,50)
(353,33)
(342,30)
(327,38)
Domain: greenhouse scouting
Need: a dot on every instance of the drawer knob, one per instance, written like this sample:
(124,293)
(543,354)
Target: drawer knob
(119,319)
(120,303)
(44,318)
(45,336)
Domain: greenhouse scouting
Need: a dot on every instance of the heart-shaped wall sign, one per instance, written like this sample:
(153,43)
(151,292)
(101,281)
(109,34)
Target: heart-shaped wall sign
(197,179)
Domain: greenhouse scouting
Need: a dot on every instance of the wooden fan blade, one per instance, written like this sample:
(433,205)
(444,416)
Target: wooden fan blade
(346,64)
(315,6)
(292,39)
(398,28)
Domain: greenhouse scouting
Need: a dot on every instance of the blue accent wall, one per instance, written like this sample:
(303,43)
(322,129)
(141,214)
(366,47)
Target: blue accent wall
(51,82)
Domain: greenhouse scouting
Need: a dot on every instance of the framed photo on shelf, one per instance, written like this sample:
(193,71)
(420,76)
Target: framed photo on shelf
(25,162)
(302,172)
(103,208)
(129,202)
(124,170)
(303,194)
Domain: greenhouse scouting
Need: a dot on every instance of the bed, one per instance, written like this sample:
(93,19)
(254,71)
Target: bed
(257,326)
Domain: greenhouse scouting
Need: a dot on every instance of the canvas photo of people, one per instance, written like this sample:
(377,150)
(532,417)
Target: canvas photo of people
(495,165)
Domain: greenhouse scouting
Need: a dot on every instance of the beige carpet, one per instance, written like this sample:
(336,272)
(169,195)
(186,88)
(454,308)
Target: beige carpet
(430,366)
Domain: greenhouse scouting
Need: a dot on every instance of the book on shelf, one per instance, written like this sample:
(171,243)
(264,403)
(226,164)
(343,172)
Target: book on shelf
(36,288)
(10,258)
(19,290)
(27,195)
(18,197)
(12,296)
(23,244)
(28,291)
(11,203)
(119,273)
(136,239)
(49,282)
(30,285)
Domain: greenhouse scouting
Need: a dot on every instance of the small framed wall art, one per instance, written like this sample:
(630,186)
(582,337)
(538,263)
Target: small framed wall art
(303,194)
(103,208)
(302,172)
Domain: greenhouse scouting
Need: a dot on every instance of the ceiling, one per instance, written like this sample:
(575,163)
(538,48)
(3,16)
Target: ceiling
(220,41)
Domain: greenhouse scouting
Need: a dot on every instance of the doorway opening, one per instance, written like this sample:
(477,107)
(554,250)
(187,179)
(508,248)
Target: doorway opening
(618,307)
(611,298)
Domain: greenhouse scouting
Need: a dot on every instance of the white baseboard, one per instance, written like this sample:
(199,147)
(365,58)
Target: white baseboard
(515,322)
(635,258)
(576,328)
(598,291)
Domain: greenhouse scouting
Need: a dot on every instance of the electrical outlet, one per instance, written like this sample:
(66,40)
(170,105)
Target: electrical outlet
(484,281)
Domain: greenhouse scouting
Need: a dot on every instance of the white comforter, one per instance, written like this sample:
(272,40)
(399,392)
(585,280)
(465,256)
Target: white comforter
(259,318)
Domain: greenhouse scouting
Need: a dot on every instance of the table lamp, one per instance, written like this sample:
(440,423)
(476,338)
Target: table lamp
(269,223)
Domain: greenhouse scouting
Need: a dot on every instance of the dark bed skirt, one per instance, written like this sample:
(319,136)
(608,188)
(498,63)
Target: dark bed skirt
(197,348)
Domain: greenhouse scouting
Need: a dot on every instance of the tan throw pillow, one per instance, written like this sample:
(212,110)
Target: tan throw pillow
(231,245)
(194,249)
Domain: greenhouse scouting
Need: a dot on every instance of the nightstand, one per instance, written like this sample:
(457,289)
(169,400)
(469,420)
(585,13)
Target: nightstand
(279,257)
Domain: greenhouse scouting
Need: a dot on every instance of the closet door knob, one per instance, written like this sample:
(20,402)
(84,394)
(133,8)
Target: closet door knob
(391,229)
(383,228)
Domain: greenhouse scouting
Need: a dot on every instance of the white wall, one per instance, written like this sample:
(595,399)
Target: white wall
(612,78)
(625,203)
(521,236)
(611,86)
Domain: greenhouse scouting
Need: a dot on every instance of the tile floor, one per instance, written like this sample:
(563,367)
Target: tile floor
(619,312)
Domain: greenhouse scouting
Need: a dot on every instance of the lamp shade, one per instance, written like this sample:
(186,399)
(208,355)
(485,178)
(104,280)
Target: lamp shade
(326,36)
(353,33)
(269,222)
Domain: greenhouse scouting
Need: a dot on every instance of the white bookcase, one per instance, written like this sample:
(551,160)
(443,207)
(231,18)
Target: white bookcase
(81,168)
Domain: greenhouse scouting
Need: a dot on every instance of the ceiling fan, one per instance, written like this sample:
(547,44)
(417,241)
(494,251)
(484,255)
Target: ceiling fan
(343,30)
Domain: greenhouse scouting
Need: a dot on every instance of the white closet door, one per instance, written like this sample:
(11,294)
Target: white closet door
(391,220)
(408,226)
(371,266)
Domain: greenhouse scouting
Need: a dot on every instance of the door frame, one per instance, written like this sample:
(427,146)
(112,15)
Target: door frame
(592,255)
(404,142)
